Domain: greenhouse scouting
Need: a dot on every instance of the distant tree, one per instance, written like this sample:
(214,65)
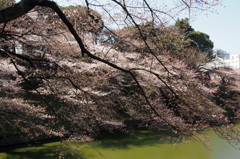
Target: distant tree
(201,41)
(198,39)
(184,26)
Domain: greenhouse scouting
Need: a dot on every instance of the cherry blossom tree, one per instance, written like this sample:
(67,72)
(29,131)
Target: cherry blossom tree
(64,85)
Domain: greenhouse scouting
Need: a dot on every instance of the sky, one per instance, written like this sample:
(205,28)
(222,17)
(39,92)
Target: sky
(223,27)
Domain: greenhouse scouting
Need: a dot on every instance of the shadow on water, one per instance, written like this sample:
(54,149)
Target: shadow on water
(56,149)
(43,150)
(137,138)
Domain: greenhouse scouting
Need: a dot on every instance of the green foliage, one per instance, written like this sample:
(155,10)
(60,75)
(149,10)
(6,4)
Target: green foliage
(197,39)
(184,26)
(201,41)
(148,30)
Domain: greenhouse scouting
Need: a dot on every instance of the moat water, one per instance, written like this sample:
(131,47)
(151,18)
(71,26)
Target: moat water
(138,144)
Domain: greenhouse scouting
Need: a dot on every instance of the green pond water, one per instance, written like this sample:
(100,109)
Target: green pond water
(138,144)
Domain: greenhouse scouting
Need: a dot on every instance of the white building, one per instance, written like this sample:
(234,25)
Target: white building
(232,62)
(224,59)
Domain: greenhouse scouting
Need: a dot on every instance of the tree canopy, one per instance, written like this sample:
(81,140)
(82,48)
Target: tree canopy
(184,26)
(198,39)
